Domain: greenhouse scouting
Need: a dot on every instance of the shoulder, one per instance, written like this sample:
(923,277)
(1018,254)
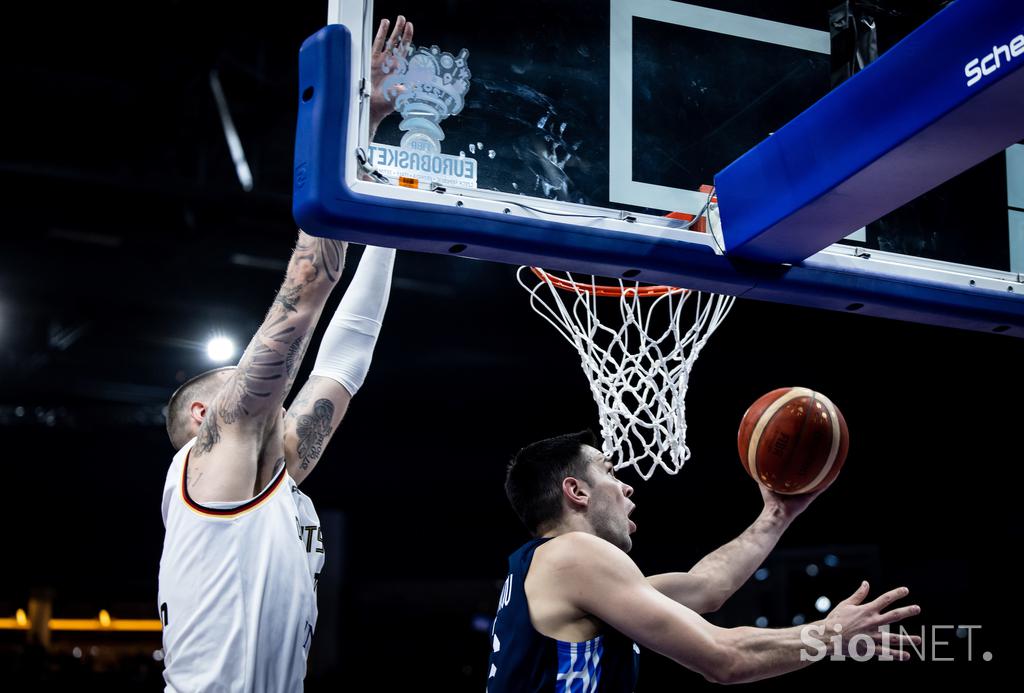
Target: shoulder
(578,542)
(584,554)
(591,576)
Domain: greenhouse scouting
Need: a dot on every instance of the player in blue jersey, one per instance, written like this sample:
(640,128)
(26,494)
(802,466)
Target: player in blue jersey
(574,606)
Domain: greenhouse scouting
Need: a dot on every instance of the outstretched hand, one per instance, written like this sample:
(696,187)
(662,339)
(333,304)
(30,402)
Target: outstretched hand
(383,56)
(856,618)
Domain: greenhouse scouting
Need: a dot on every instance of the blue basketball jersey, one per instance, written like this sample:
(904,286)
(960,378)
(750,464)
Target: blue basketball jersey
(524,661)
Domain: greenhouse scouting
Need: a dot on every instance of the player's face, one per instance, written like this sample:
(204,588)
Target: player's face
(610,504)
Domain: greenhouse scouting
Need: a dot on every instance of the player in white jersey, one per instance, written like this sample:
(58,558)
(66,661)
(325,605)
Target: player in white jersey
(243,546)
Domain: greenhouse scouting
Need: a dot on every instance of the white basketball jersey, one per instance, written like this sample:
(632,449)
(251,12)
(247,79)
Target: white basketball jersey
(237,588)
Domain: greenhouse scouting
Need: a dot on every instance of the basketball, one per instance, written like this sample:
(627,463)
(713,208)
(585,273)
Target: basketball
(793,440)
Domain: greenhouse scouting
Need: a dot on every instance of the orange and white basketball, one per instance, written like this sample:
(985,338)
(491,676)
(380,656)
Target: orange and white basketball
(793,440)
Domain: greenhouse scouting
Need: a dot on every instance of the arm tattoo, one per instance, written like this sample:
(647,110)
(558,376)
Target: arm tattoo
(275,330)
(288,297)
(321,252)
(292,361)
(294,357)
(276,350)
(333,257)
(260,366)
(310,255)
(312,429)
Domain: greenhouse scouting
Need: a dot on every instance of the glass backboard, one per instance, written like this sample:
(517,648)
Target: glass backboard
(561,134)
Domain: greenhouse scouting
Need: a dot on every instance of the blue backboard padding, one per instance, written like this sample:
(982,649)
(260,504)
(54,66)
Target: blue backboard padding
(902,126)
(323,204)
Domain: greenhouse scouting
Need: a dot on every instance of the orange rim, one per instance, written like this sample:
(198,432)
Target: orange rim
(608,289)
(605,289)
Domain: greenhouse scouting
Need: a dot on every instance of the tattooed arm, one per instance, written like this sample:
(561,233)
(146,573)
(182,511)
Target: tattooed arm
(241,429)
(310,423)
(342,362)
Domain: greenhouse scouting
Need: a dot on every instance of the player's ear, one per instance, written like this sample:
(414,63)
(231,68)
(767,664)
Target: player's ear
(197,410)
(575,491)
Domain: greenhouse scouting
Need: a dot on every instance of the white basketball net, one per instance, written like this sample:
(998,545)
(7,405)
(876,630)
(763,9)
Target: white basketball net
(638,364)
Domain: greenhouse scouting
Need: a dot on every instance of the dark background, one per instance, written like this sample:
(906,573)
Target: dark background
(128,242)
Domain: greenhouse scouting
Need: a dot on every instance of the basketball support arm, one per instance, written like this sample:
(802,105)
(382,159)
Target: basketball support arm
(945,98)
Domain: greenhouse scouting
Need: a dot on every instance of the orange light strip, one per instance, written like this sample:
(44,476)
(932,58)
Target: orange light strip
(90,624)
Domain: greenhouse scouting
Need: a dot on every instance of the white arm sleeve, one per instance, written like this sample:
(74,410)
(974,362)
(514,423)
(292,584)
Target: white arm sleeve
(347,346)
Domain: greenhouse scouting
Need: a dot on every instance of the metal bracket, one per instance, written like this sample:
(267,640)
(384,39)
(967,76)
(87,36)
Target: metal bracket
(367,168)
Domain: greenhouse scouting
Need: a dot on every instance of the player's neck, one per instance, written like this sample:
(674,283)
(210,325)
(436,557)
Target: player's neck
(577,522)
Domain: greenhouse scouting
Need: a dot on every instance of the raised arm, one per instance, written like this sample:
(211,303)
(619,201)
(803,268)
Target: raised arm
(601,581)
(223,465)
(341,363)
(717,576)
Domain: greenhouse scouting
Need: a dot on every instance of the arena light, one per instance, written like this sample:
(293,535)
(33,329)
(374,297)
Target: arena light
(231,134)
(823,604)
(220,349)
(107,623)
(94,624)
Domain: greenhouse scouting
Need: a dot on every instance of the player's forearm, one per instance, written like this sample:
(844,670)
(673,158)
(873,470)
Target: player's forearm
(726,569)
(313,270)
(350,338)
(267,368)
(752,654)
(342,362)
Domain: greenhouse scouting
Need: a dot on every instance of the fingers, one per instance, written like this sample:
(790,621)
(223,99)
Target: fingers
(396,34)
(899,614)
(888,598)
(899,640)
(898,655)
(401,35)
(858,596)
(407,37)
(378,40)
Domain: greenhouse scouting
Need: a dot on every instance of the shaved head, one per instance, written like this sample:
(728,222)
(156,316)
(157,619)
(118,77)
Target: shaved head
(201,388)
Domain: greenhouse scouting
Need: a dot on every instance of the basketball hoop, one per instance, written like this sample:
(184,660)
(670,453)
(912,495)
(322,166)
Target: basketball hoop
(638,359)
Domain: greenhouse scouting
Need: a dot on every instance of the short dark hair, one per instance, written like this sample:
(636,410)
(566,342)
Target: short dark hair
(203,387)
(533,482)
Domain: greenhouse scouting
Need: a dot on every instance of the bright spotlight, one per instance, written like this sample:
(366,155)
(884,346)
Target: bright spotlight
(220,349)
